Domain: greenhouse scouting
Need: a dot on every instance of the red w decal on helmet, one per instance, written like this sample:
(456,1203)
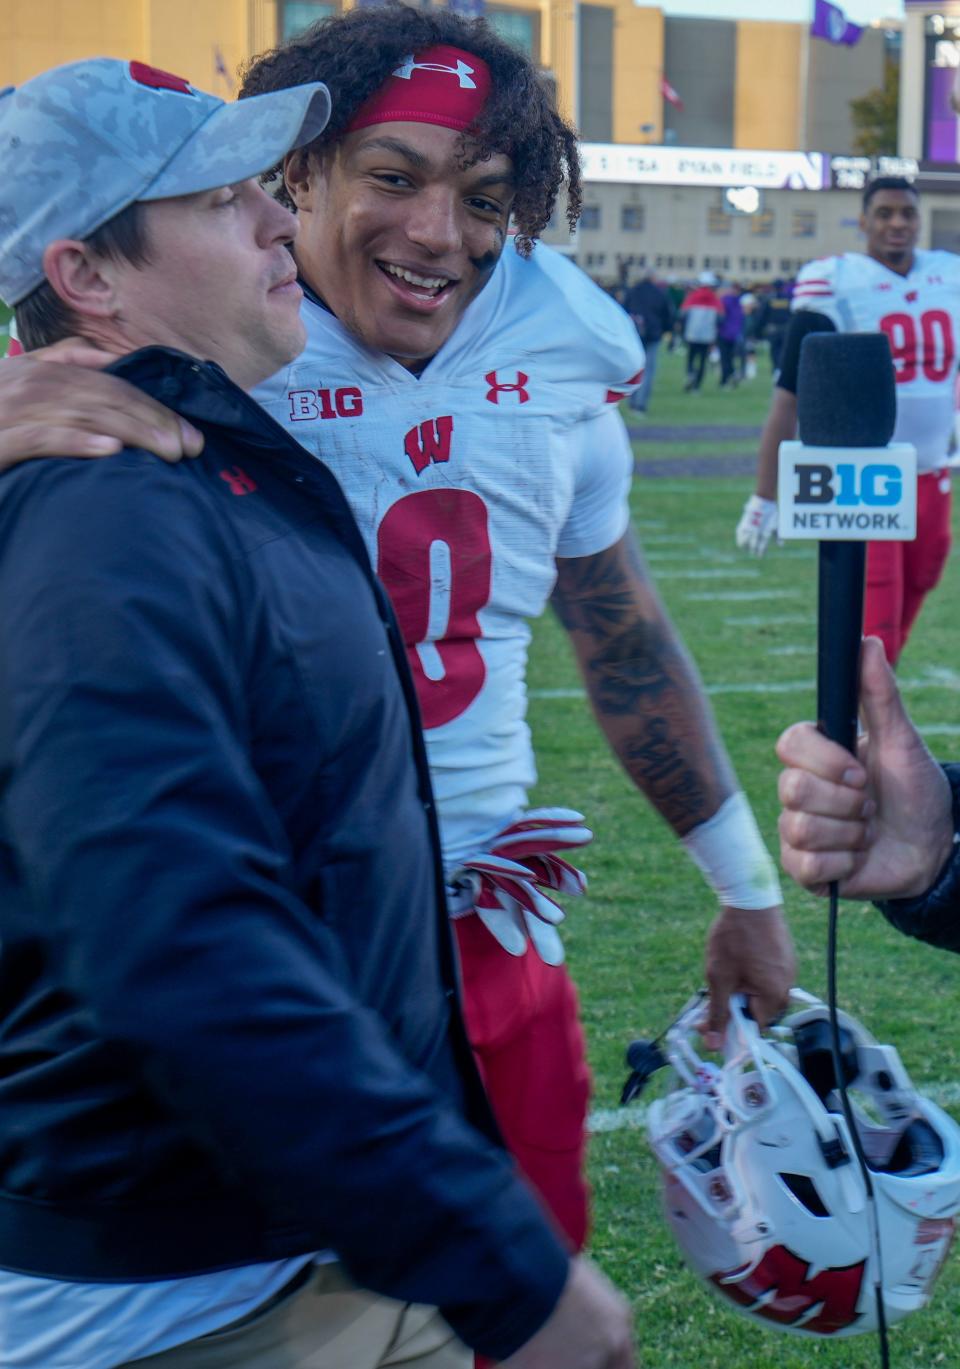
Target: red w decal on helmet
(785,1275)
(156,79)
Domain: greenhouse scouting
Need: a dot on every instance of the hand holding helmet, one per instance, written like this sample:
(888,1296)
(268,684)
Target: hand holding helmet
(761,1188)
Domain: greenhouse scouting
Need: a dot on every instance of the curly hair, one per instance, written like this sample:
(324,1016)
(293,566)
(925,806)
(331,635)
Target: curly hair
(354,53)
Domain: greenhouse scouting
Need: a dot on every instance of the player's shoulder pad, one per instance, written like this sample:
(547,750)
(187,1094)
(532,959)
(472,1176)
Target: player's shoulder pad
(576,330)
(941,263)
(816,283)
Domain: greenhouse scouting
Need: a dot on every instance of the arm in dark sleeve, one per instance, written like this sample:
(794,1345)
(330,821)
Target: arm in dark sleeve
(934,917)
(801,325)
(162,873)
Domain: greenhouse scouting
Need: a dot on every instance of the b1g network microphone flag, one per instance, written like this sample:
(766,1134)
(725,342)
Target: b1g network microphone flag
(830,23)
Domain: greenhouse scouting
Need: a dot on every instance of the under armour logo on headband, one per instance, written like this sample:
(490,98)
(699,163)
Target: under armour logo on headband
(462,72)
(430,98)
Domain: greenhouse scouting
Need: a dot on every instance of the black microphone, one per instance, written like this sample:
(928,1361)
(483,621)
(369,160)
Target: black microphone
(846,399)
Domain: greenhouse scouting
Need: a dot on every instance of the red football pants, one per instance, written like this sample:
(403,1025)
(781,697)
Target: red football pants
(901,574)
(523,1022)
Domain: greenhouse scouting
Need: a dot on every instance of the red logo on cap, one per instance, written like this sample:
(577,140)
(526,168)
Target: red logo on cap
(159,80)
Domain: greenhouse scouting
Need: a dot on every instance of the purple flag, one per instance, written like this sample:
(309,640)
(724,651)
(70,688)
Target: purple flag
(830,22)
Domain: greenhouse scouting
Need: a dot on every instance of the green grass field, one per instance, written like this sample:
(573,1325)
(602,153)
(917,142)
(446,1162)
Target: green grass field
(635,944)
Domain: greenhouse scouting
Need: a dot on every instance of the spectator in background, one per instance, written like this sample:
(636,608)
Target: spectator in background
(774,319)
(730,336)
(649,306)
(676,293)
(748,347)
(702,311)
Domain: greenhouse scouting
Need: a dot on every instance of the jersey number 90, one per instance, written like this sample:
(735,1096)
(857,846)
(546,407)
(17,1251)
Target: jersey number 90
(933,350)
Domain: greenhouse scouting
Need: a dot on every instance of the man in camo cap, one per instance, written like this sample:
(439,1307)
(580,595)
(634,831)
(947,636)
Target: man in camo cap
(229,1034)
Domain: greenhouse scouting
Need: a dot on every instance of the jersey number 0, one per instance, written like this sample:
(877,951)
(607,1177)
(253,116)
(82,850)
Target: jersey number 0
(433,556)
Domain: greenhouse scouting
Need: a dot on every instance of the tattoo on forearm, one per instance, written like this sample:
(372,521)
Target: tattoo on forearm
(592,595)
(642,684)
(653,759)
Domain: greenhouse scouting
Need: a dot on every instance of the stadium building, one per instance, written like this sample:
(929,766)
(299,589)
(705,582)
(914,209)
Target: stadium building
(721,144)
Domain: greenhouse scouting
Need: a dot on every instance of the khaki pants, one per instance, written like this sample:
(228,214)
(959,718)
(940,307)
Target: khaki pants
(327,1323)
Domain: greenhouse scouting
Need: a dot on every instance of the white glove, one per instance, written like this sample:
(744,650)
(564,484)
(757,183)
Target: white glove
(504,879)
(757,524)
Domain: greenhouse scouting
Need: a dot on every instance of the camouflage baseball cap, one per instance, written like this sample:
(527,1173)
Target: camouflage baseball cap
(81,142)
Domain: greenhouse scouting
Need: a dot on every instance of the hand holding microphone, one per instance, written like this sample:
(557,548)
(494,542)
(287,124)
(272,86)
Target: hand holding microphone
(880,825)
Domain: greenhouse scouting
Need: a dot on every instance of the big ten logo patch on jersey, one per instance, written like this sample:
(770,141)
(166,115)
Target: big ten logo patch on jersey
(499,387)
(347,402)
(429,441)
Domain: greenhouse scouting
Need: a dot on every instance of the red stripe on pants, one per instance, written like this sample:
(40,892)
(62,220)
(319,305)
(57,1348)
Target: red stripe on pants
(901,574)
(523,1021)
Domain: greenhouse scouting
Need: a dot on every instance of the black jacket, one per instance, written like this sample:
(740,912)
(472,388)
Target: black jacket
(228,1019)
(934,916)
(648,302)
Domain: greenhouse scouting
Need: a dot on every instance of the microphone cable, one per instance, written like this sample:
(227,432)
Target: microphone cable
(847,1108)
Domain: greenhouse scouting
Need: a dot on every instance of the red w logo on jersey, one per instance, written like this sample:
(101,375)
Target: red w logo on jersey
(428,442)
(498,388)
(785,1275)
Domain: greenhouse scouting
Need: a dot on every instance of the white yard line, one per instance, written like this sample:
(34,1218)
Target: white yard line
(740,596)
(795,650)
(705,573)
(727,558)
(671,539)
(765,687)
(733,687)
(934,677)
(939,730)
(763,620)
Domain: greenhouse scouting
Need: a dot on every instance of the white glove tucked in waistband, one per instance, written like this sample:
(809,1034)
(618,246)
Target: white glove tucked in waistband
(503,881)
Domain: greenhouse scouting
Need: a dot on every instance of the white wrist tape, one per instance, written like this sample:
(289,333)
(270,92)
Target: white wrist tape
(729,852)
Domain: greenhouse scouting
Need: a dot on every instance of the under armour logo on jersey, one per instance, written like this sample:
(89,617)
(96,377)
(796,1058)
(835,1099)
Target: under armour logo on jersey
(498,388)
(463,73)
(239,481)
(911,296)
(428,442)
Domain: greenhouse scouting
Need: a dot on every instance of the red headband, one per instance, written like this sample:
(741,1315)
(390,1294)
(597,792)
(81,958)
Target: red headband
(441,85)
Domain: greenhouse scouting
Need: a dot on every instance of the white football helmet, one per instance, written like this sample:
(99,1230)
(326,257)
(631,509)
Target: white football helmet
(762,1186)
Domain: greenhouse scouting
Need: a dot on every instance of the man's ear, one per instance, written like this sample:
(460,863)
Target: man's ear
(82,280)
(299,176)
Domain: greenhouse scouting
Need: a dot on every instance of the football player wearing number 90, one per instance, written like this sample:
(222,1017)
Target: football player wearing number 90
(465,394)
(914,297)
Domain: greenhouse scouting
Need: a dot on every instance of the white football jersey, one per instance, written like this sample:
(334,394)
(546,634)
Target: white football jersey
(467,481)
(920,314)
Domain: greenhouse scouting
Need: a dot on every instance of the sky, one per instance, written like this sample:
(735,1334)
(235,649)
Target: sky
(860,11)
